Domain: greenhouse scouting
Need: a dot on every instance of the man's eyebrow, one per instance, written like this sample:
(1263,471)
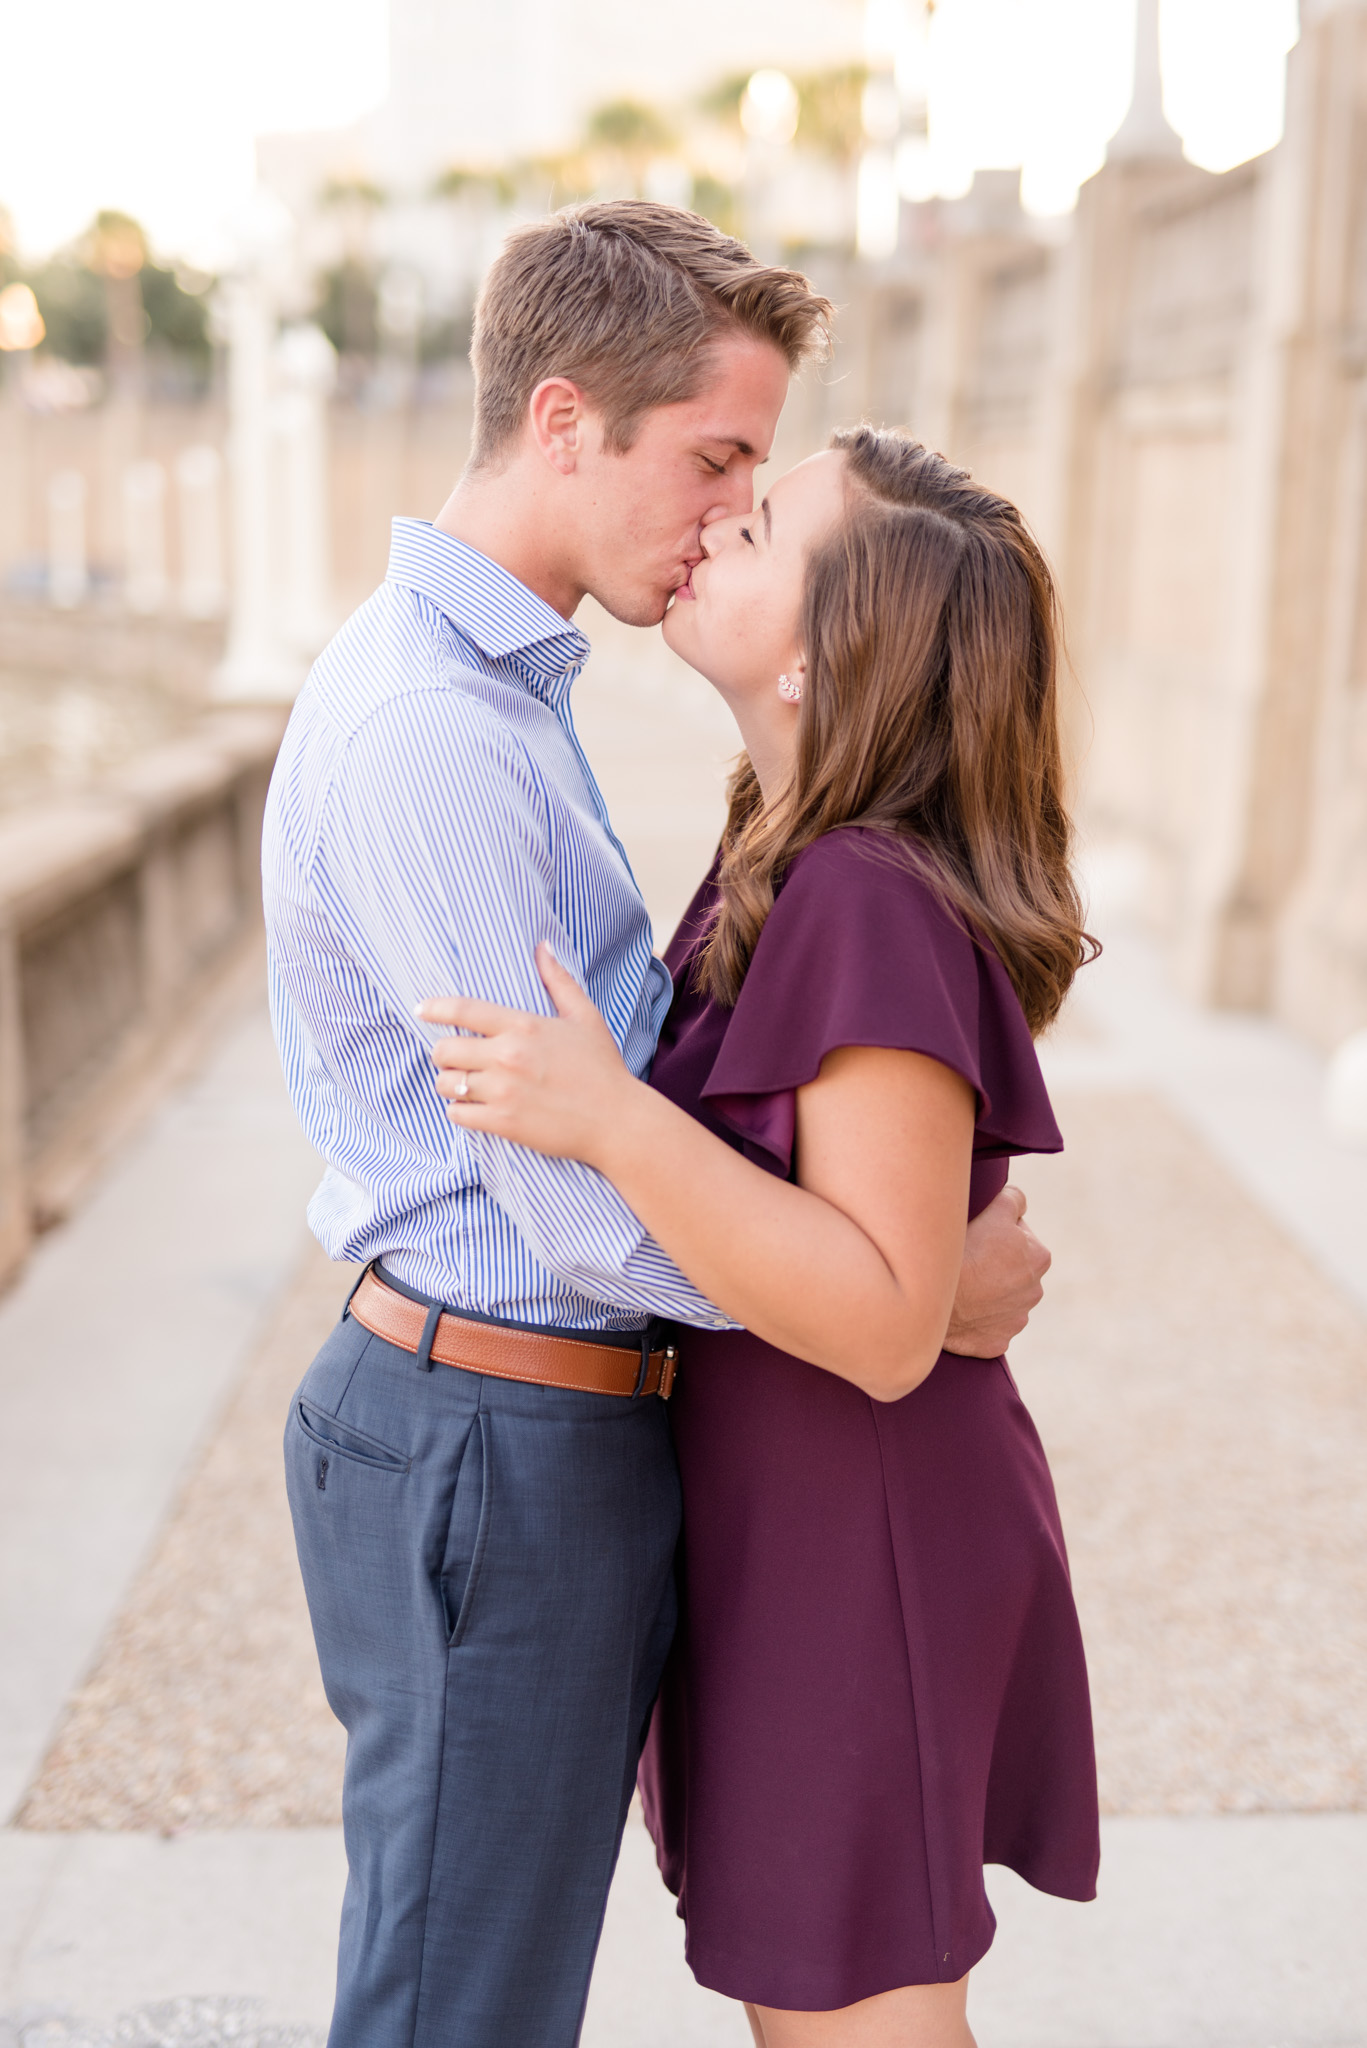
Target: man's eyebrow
(768,520)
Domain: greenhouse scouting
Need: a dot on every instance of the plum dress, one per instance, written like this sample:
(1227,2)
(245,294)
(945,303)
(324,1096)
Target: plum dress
(878,1681)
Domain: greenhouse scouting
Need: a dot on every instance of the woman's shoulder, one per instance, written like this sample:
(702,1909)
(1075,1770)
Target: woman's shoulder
(869,887)
(857,950)
(861,949)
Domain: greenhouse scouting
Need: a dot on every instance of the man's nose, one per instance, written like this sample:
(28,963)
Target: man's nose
(737,490)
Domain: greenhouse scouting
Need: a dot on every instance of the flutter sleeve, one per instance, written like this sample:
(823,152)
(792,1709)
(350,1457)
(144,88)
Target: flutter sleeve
(859,950)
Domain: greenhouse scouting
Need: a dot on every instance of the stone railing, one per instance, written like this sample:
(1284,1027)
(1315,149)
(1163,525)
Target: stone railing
(124,913)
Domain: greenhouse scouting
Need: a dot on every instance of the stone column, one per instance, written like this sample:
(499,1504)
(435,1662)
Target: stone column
(144,537)
(199,482)
(1294,423)
(68,578)
(257,663)
(306,374)
(16,1228)
(15,543)
(1320,982)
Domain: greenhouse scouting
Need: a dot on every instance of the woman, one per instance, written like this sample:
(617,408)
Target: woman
(878,1683)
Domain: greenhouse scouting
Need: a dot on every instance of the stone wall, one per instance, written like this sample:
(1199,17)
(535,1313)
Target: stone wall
(122,914)
(382,460)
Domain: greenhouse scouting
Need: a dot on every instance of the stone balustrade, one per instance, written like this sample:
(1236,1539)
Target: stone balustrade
(123,913)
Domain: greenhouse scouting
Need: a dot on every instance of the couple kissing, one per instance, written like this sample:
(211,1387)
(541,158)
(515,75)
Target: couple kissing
(668,1433)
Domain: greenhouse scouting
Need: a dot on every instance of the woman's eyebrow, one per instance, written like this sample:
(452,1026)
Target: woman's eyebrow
(768,522)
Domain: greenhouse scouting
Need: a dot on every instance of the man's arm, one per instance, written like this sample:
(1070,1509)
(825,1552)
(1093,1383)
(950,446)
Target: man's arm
(448,883)
(999,1283)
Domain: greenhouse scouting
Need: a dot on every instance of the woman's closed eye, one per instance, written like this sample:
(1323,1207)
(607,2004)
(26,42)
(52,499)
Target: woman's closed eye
(746,534)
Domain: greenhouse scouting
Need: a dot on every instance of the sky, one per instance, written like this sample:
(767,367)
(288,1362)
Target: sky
(152,105)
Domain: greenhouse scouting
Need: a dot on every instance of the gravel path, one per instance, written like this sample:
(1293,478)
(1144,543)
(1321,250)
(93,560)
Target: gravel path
(1202,1392)
(205,1708)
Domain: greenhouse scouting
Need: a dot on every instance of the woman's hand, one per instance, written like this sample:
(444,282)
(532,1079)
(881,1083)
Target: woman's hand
(557,1084)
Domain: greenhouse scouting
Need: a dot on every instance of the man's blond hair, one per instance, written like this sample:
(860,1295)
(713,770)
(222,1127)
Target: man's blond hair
(626,299)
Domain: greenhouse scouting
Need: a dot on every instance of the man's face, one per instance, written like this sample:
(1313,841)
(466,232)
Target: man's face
(641,512)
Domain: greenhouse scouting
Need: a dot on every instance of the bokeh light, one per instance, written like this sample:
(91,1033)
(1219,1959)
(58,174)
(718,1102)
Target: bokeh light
(21,324)
(769,107)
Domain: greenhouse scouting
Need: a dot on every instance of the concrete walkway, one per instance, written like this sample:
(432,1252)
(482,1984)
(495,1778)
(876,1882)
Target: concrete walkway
(1230,1933)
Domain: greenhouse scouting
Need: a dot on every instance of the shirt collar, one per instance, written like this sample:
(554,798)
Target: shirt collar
(488,605)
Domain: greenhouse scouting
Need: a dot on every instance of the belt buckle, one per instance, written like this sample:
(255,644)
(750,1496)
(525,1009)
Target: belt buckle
(655,1334)
(667,1371)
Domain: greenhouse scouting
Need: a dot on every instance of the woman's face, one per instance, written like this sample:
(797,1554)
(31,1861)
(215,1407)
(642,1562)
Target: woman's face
(737,620)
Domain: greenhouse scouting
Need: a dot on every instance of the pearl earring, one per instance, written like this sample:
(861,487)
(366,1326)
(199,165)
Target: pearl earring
(790,691)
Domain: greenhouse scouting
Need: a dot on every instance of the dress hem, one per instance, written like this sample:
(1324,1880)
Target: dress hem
(726,1978)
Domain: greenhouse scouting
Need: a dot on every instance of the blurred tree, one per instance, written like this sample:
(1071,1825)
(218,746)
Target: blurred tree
(71,300)
(459,181)
(622,139)
(631,128)
(830,111)
(546,182)
(177,316)
(9,261)
(717,202)
(721,102)
(106,277)
(115,249)
(362,195)
(347,308)
(348,294)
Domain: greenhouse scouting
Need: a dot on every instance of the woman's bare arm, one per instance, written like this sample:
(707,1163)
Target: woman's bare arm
(855,1268)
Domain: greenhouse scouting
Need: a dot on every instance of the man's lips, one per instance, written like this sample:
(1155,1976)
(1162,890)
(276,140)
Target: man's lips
(685,589)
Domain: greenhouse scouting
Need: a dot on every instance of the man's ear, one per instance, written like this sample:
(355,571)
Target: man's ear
(557,419)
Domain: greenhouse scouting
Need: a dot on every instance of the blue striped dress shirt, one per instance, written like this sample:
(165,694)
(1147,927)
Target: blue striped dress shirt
(431,819)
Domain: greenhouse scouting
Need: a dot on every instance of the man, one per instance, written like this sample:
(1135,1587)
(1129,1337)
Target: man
(479,1464)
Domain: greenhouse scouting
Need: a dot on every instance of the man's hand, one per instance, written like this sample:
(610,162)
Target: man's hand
(999,1281)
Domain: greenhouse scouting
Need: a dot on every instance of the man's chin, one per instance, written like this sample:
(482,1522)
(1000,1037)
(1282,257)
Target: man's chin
(635,607)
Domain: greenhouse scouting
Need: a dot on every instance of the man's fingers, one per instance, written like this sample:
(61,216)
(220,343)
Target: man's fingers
(1041,1258)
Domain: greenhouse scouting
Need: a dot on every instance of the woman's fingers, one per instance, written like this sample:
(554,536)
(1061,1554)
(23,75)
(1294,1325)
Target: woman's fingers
(464,1013)
(469,1054)
(561,986)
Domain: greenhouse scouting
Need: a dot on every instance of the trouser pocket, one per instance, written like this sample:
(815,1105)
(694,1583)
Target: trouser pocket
(339,1439)
(467,1538)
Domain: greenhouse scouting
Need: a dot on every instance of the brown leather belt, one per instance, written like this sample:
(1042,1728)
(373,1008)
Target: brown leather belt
(505,1354)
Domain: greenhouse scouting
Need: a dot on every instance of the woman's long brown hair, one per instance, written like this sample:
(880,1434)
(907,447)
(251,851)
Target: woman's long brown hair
(930,714)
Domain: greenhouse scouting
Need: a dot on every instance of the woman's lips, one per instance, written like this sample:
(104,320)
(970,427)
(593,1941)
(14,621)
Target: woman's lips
(686,590)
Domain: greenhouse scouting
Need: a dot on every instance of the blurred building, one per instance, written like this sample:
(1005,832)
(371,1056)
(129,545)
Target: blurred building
(478,85)
(422,186)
